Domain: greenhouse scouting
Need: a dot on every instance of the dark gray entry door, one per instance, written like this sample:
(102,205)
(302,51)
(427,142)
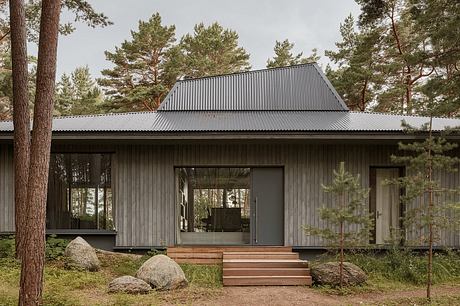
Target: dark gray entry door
(267,218)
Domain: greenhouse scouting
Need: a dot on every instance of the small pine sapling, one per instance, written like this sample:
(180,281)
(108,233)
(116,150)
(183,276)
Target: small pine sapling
(438,205)
(349,207)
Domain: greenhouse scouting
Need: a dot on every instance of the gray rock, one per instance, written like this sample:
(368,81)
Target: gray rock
(329,274)
(162,273)
(81,255)
(128,284)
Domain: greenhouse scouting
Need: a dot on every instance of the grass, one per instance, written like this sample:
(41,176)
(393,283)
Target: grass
(397,269)
(435,301)
(72,287)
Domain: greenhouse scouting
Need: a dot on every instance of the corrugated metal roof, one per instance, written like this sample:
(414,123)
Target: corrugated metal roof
(302,121)
(242,121)
(300,87)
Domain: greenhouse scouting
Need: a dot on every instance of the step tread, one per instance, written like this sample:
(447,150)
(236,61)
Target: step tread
(265,276)
(259,253)
(262,260)
(267,268)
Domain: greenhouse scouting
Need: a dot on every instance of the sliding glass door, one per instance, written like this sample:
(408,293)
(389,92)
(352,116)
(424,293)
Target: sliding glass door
(213,205)
(230,206)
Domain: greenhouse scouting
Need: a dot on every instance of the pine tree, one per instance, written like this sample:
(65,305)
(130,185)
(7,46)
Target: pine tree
(213,50)
(348,209)
(78,94)
(65,96)
(82,11)
(284,56)
(424,160)
(356,77)
(146,67)
(439,19)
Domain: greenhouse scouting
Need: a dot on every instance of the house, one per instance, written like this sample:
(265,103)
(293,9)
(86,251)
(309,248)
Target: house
(234,159)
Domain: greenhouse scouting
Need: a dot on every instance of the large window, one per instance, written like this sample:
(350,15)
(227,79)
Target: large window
(79,192)
(214,205)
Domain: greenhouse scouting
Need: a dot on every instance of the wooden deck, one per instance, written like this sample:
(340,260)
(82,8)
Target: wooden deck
(249,265)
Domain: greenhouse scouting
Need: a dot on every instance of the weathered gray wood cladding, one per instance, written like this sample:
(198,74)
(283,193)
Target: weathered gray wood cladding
(144,183)
(6,189)
(145,196)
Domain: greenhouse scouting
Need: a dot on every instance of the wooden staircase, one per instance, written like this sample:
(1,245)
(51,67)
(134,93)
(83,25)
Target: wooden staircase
(264,269)
(249,265)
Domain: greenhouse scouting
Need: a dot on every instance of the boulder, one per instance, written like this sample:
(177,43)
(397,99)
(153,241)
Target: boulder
(128,284)
(329,274)
(81,255)
(162,273)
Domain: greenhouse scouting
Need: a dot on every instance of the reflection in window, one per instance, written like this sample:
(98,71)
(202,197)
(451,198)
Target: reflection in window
(214,205)
(79,192)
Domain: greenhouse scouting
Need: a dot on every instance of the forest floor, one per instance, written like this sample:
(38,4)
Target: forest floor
(69,287)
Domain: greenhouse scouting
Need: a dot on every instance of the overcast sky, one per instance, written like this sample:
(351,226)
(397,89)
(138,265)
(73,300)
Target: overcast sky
(307,23)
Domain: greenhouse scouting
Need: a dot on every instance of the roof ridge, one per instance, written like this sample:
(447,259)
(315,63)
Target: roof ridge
(246,72)
(330,87)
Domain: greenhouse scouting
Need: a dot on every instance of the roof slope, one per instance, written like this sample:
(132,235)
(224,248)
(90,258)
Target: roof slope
(242,121)
(300,87)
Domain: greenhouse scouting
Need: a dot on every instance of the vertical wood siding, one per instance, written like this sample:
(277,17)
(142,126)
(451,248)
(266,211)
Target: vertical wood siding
(6,189)
(145,195)
(144,183)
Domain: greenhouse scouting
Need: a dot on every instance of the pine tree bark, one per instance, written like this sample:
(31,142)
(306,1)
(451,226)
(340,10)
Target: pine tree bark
(21,117)
(31,284)
(342,238)
(430,213)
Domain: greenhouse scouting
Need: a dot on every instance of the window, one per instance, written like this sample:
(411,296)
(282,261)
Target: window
(79,192)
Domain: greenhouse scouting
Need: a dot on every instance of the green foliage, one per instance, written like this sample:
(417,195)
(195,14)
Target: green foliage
(401,57)
(145,68)
(80,9)
(284,56)
(348,207)
(55,247)
(78,94)
(154,252)
(213,50)
(7,247)
(423,159)
(407,266)
(356,77)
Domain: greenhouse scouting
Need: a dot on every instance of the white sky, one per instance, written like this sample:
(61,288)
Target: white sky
(308,23)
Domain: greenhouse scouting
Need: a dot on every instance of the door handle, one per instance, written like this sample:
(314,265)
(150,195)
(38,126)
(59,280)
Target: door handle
(255,220)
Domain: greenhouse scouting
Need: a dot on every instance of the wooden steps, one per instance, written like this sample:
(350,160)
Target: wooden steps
(267,281)
(264,269)
(209,255)
(249,265)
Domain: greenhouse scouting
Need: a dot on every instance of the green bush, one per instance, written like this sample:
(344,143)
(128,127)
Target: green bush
(7,247)
(407,266)
(55,247)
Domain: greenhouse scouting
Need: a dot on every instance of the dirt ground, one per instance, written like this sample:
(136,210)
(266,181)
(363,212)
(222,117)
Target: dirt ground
(307,296)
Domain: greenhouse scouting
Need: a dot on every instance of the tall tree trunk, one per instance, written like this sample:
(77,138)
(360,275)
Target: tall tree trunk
(21,117)
(430,213)
(34,255)
(342,238)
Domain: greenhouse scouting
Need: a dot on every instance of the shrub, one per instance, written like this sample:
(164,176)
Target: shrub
(55,247)
(7,247)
